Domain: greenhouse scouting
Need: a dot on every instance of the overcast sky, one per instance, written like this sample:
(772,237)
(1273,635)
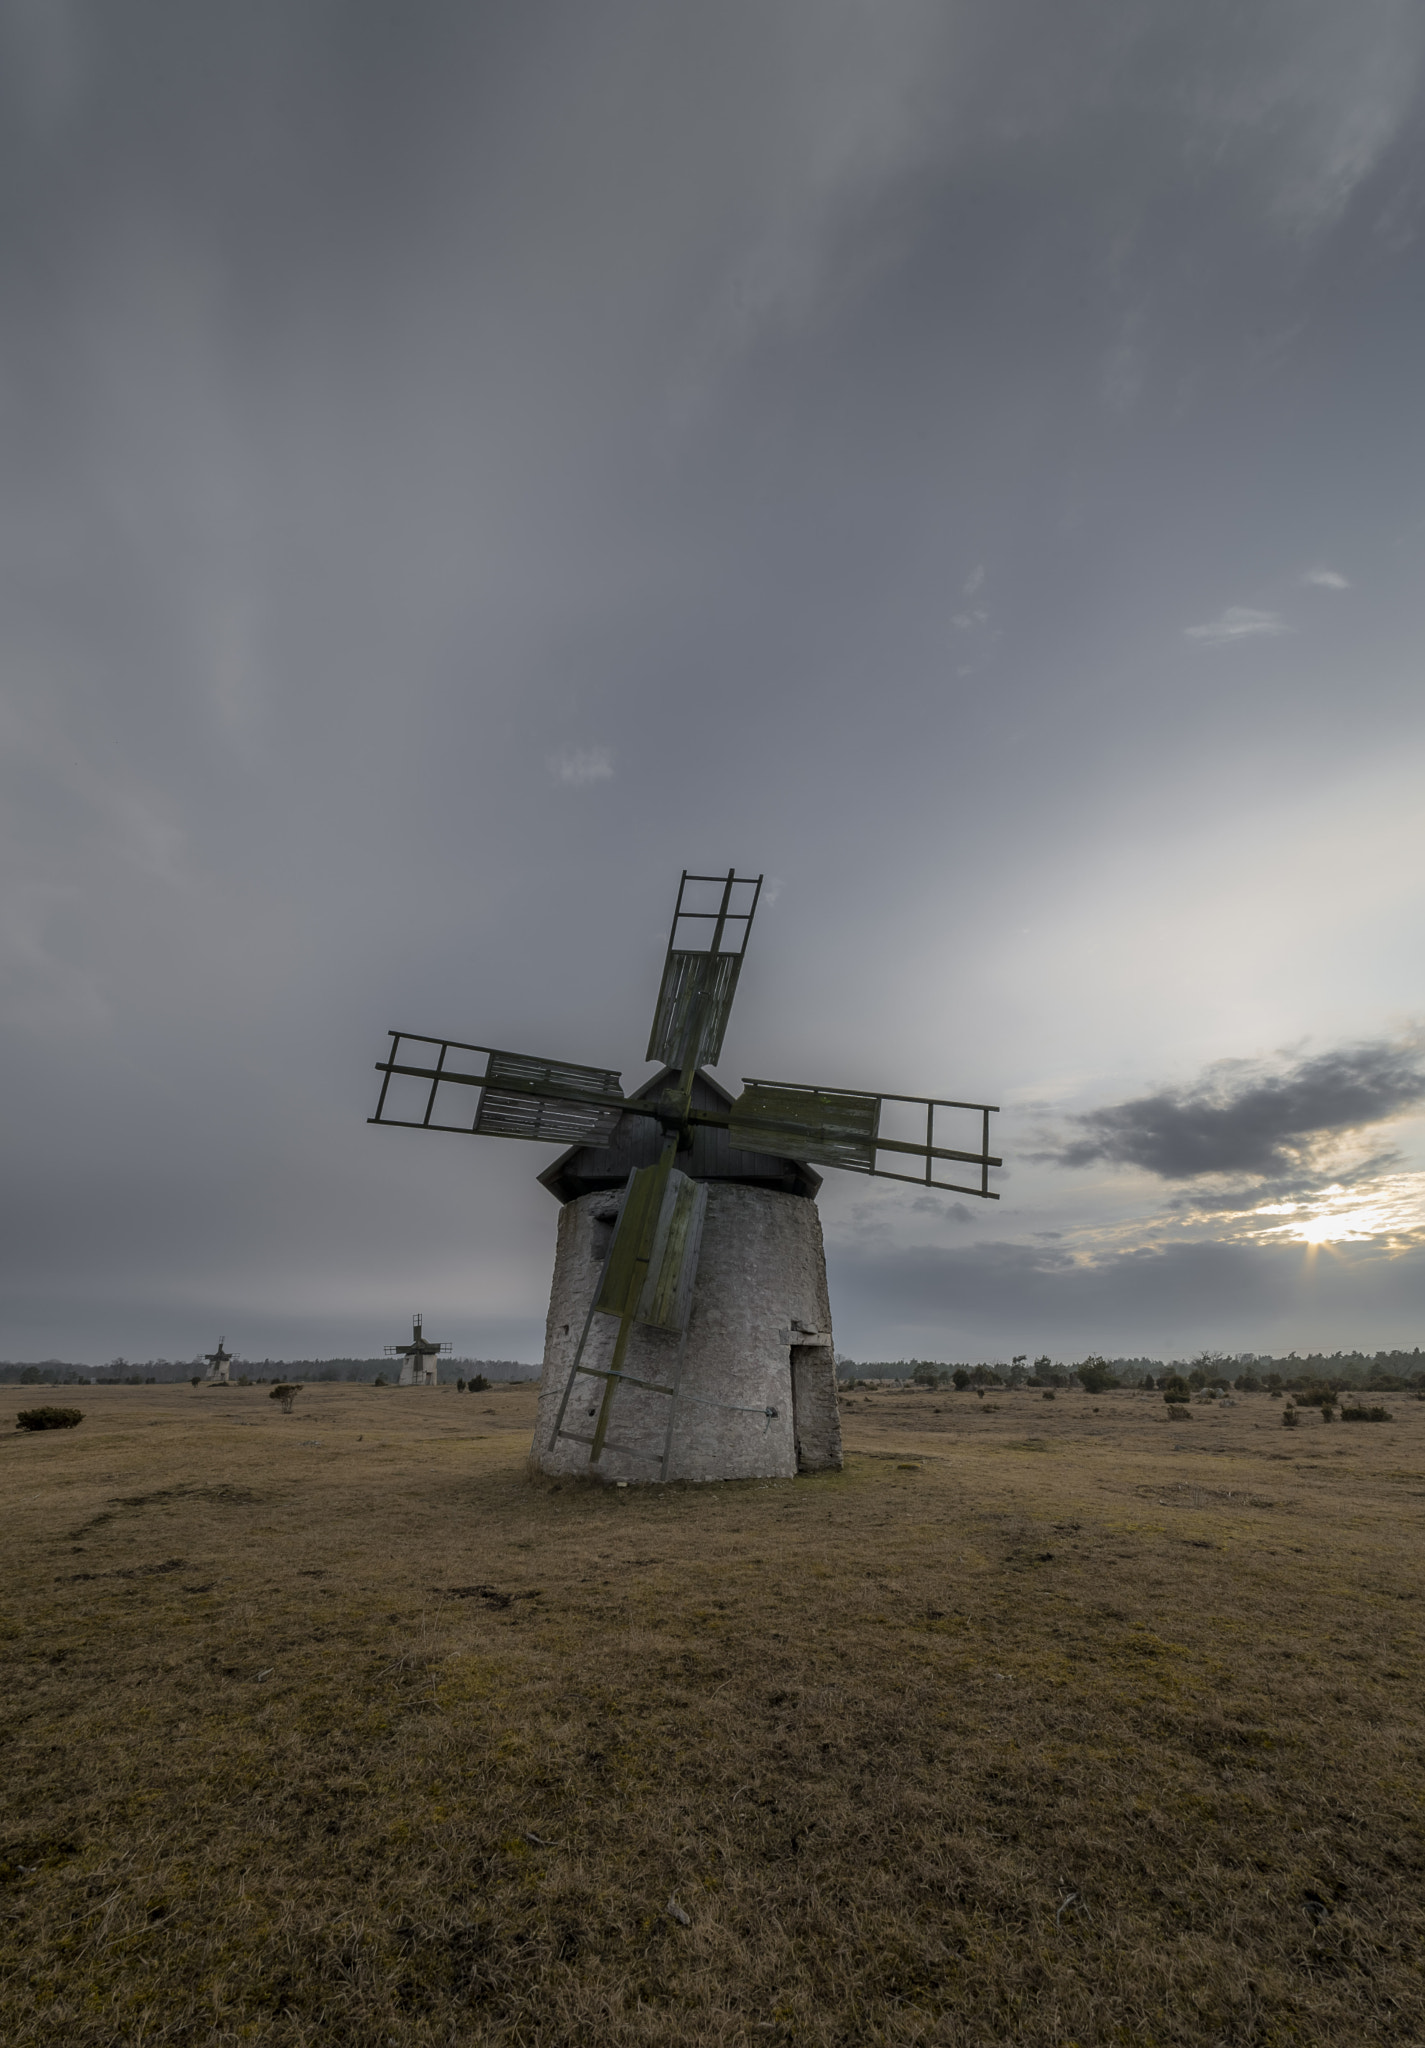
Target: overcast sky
(464,463)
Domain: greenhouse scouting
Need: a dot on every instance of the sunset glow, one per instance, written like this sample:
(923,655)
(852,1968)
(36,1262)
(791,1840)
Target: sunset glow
(1390,1208)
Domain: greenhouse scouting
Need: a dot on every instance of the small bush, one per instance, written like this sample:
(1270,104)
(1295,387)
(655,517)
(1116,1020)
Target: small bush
(286,1395)
(49,1418)
(1290,1418)
(479,1385)
(1179,1411)
(1347,1414)
(961,1378)
(1049,1396)
(1177,1397)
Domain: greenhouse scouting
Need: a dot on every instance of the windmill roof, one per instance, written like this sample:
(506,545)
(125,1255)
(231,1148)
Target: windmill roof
(638,1141)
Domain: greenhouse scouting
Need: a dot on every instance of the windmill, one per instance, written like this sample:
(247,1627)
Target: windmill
(217,1363)
(418,1357)
(690,1260)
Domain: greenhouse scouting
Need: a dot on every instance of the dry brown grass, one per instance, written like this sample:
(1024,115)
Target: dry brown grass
(1041,1723)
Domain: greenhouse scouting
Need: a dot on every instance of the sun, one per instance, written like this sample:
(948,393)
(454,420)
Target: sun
(1327,1230)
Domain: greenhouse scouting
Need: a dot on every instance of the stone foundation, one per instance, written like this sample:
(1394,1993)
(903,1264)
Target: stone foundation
(759,1338)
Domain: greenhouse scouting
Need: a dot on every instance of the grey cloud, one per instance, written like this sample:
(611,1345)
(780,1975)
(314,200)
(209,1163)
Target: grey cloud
(936,1205)
(1238,622)
(1297,1185)
(1266,1125)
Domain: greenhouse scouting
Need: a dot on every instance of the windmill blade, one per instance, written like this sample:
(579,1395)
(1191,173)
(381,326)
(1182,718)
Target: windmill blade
(701,969)
(834,1126)
(550,1101)
(653,1260)
(851,1128)
(667,1297)
(519,1101)
(693,1006)
(626,1267)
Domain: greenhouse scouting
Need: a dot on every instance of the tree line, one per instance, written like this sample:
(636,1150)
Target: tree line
(1248,1371)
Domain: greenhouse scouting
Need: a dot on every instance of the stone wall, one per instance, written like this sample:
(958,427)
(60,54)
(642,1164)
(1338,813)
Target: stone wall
(759,1302)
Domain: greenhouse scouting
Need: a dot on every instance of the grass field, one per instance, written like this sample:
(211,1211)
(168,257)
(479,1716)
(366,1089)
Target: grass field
(1040,1723)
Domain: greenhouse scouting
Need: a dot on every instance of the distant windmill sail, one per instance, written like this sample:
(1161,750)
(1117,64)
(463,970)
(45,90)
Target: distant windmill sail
(650,1266)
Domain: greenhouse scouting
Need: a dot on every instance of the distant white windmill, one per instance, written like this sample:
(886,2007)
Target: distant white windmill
(418,1358)
(217,1363)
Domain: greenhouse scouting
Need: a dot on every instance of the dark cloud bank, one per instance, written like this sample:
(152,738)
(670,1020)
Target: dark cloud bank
(1265,1125)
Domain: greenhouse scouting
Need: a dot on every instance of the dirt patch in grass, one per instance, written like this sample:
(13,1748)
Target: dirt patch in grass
(965,1744)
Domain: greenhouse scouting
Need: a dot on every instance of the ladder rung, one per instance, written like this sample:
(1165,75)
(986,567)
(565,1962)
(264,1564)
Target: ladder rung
(609,1445)
(599,1372)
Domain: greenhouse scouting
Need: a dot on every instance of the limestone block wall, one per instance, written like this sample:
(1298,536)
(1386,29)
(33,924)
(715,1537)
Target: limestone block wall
(760,1309)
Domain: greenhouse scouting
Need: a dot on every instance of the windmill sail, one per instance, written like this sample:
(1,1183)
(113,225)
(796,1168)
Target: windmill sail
(514,1104)
(667,1295)
(626,1268)
(701,970)
(835,1127)
(550,1101)
(848,1128)
(653,1259)
(693,1006)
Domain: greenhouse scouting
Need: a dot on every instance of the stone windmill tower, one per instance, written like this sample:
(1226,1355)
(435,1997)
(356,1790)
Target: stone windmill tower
(417,1358)
(689,1308)
(217,1363)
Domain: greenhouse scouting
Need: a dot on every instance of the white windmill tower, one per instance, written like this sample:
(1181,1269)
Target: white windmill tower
(689,1298)
(417,1358)
(217,1363)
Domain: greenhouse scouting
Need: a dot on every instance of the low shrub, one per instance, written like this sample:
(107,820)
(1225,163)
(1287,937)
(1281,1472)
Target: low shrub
(1178,1411)
(1049,1396)
(479,1385)
(286,1395)
(1347,1415)
(49,1418)
(1290,1418)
